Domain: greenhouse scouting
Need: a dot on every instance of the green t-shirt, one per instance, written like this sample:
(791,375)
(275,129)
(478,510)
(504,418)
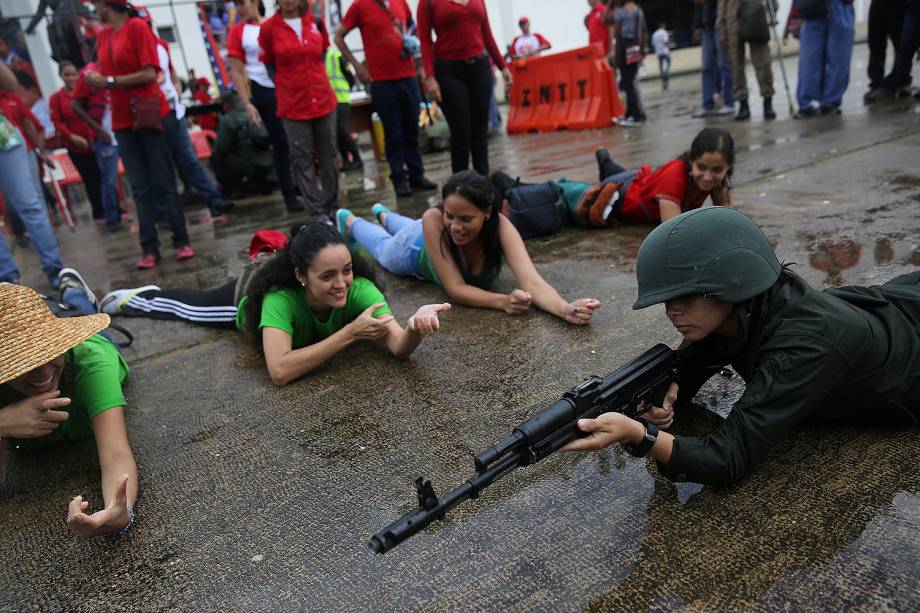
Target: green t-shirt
(98,372)
(286,309)
(483,280)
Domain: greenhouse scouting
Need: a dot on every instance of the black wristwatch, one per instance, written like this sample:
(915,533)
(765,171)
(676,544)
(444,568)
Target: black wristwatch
(648,441)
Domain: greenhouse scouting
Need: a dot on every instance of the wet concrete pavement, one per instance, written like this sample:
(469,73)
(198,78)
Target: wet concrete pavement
(254,497)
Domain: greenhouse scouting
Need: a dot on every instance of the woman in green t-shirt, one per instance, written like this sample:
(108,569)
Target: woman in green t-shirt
(61,381)
(460,246)
(310,301)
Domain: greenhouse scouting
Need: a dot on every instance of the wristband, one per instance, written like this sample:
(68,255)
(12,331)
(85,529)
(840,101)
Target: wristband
(641,449)
(124,530)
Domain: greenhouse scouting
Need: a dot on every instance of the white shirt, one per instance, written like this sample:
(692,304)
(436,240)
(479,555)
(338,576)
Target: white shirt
(297,25)
(42,113)
(526,45)
(255,68)
(661,42)
(167,86)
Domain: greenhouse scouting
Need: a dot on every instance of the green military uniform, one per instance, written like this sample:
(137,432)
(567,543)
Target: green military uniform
(238,163)
(732,22)
(850,352)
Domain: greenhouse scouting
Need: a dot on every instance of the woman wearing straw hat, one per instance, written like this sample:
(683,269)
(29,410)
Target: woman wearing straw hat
(61,381)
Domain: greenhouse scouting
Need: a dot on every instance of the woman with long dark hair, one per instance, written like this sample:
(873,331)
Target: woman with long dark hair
(308,302)
(127,54)
(257,90)
(294,47)
(460,245)
(77,136)
(459,76)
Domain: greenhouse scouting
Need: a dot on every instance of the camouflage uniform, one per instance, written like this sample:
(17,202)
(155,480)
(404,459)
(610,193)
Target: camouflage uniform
(728,26)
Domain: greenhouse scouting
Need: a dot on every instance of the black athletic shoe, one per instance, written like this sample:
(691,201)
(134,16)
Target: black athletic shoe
(502,182)
(605,165)
(424,184)
(403,189)
(70,278)
(805,113)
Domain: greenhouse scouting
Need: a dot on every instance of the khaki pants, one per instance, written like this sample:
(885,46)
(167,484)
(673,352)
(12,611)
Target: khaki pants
(760,58)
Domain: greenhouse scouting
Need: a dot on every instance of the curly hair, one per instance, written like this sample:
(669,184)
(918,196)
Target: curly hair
(306,241)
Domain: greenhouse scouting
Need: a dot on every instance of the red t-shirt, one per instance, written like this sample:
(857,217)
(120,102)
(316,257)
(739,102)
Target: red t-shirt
(671,181)
(97,100)
(66,122)
(18,113)
(463,32)
(301,83)
(129,50)
(382,40)
(598,31)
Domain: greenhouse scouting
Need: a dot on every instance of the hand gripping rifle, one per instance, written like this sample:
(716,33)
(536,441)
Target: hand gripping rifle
(631,390)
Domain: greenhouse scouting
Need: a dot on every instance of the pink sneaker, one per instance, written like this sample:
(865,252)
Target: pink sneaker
(184,253)
(147,262)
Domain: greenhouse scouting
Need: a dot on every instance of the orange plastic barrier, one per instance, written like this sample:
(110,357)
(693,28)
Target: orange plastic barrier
(572,90)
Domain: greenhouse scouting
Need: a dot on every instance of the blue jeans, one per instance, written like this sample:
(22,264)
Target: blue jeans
(717,72)
(826,45)
(397,103)
(107,158)
(16,181)
(183,154)
(395,246)
(77,299)
(149,165)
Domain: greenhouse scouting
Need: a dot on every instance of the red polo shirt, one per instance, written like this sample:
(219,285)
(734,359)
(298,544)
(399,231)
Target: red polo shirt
(382,40)
(672,182)
(129,50)
(66,122)
(463,32)
(597,29)
(14,109)
(301,84)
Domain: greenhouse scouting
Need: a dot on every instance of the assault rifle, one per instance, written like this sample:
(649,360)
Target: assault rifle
(631,390)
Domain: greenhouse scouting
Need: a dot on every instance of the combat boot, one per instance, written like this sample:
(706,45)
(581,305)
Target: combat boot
(768,112)
(744,111)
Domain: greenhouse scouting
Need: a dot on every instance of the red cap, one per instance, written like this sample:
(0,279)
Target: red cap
(523,20)
(203,81)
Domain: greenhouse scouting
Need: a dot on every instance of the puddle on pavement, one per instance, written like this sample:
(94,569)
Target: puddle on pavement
(840,259)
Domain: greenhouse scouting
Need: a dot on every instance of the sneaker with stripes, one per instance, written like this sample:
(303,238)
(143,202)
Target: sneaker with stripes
(115,301)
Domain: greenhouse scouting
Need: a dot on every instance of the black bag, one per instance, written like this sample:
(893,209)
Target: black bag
(752,21)
(62,309)
(535,209)
(811,9)
(258,136)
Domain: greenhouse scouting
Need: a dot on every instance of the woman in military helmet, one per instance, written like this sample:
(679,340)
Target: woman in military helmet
(842,353)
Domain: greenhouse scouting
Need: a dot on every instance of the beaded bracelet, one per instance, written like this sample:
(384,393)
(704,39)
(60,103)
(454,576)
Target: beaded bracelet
(124,530)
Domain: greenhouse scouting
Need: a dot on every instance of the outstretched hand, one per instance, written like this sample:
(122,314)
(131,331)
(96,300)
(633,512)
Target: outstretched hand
(366,327)
(425,321)
(111,519)
(607,429)
(580,311)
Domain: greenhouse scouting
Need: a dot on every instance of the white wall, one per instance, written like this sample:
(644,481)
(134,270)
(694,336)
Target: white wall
(189,49)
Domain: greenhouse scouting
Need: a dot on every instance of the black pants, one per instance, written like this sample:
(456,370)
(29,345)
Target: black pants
(212,307)
(88,168)
(885,20)
(466,89)
(346,144)
(629,81)
(905,49)
(149,165)
(263,98)
(397,103)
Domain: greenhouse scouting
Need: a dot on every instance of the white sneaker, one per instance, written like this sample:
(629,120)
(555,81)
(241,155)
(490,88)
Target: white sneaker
(115,301)
(629,122)
(69,277)
(725,110)
(704,112)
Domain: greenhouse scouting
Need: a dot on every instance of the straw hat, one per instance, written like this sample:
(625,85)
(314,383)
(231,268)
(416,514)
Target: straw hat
(30,334)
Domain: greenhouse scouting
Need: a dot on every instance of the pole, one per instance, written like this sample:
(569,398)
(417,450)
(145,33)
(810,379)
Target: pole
(771,16)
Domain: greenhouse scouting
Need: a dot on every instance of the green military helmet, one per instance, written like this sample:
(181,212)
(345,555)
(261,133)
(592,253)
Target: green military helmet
(716,251)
